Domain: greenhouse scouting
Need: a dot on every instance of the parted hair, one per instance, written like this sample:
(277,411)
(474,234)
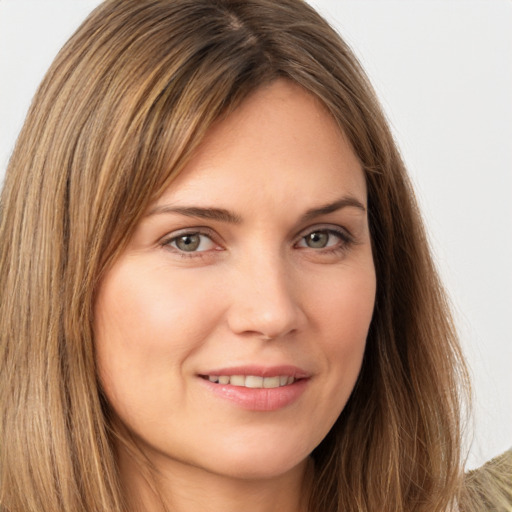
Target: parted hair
(116,118)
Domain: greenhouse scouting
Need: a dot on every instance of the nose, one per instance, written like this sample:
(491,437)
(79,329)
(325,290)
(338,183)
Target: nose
(264,300)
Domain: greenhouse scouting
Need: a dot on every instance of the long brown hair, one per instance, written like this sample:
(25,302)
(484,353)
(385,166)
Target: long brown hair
(119,112)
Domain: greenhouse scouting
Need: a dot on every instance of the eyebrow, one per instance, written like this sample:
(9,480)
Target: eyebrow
(223,215)
(219,214)
(344,202)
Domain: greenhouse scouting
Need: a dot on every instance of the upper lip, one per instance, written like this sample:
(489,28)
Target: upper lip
(260,371)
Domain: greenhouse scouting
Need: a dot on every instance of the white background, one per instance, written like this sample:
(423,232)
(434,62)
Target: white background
(443,71)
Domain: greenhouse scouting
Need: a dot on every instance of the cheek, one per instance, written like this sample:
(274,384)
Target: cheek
(346,307)
(343,316)
(146,326)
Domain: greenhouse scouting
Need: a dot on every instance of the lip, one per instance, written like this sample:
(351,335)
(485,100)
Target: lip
(261,371)
(258,399)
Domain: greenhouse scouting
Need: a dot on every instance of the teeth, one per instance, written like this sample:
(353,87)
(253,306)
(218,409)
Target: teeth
(237,380)
(271,382)
(252,381)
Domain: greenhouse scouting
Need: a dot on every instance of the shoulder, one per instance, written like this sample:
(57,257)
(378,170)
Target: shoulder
(489,488)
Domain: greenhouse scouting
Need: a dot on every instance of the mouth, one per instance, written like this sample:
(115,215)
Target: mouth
(257,388)
(252,381)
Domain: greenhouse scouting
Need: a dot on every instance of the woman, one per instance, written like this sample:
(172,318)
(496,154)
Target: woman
(216,285)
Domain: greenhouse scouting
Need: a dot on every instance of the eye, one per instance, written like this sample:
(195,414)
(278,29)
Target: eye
(191,242)
(317,239)
(324,239)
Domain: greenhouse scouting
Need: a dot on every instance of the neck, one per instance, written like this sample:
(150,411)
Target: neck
(154,485)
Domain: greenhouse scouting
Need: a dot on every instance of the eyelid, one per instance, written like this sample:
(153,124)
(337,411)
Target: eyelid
(167,239)
(345,236)
(343,232)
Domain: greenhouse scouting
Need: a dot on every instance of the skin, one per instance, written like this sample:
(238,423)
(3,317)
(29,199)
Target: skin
(273,288)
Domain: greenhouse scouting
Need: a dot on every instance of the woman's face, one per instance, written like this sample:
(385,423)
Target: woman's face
(230,332)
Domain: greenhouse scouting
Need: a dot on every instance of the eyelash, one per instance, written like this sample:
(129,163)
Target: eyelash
(345,241)
(167,241)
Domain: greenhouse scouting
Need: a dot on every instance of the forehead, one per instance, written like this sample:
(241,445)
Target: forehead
(280,143)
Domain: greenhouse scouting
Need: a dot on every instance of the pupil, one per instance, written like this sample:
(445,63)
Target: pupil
(317,240)
(188,242)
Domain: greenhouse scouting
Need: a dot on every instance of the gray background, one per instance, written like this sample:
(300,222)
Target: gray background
(443,71)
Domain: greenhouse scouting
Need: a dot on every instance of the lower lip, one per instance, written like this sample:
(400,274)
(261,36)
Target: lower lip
(259,399)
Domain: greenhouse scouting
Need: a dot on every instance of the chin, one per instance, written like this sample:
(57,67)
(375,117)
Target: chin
(259,460)
(259,467)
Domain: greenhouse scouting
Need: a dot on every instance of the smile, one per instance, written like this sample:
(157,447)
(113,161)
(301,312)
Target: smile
(255,387)
(252,381)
